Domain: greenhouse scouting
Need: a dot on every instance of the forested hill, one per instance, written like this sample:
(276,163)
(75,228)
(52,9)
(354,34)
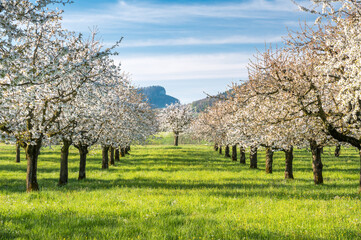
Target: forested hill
(202,104)
(157,97)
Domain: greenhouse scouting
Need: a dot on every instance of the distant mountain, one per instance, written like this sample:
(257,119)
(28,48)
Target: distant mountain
(157,97)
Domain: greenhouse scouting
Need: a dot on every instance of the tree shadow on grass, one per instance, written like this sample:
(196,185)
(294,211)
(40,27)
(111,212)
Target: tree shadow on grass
(68,224)
(178,161)
(325,169)
(241,188)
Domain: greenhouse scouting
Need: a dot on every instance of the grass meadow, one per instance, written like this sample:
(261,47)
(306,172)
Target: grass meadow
(185,192)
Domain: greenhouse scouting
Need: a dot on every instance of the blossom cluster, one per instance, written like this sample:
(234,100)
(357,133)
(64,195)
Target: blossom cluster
(306,92)
(56,85)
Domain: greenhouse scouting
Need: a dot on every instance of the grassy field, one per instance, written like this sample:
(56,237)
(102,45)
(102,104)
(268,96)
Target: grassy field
(167,138)
(186,192)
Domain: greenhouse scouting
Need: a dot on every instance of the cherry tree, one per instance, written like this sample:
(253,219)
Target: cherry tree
(81,118)
(39,65)
(335,46)
(313,74)
(209,125)
(107,110)
(176,118)
(280,94)
(130,119)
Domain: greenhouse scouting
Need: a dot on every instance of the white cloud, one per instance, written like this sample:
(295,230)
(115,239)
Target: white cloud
(160,12)
(172,25)
(124,11)
(203,41)
(229,66)
(188,76)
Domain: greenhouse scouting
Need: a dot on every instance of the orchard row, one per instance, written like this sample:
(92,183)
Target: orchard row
(305,94)
(57,87)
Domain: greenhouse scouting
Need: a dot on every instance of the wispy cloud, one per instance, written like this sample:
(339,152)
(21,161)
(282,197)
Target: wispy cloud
(218,37)
(125,11)
(203,41)
(188,76)
(159,12)
(230,67)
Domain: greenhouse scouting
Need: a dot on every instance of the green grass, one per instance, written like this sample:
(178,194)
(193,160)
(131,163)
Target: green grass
(186,192)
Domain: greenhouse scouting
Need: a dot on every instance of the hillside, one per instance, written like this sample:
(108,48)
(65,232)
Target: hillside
(157,97)
(203,104)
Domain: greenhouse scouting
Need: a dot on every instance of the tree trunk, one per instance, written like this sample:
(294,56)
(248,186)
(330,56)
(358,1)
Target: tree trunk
(83,151)
(122,152)
(234,152)
(220,149)
(176,138)
(289,163)
(17,152)
(316,162)
(32,153)
(63,179)
(253,157)
(226,152)
(215,147)
(116,155)
(242,159)
(360,170)
(338,150)
(105,157)
(269,159)
(111,151)
(127,149)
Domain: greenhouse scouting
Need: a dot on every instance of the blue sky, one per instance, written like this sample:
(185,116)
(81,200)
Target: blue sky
(189,47)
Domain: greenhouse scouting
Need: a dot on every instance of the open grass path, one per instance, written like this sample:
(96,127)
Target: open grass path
(187,192)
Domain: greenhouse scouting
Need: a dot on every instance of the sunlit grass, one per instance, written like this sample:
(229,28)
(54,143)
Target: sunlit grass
(167,138)
(186,192)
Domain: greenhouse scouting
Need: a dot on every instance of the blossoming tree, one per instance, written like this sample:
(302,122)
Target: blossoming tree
(176,118)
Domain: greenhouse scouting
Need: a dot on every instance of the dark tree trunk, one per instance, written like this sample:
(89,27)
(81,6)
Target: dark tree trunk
(176,138)
(226,152)
(220,149)
(253,157)
(360,170)
(127,149)
(111,151)
(63,179)
(17,152)
(105,157)
(116,155)
(234,152)
(83,151)
(289,163)
(242,159)
(269,159)
(316,162)
(122,152)
(32,153)
(215,147)
(338,150)
(356,142)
